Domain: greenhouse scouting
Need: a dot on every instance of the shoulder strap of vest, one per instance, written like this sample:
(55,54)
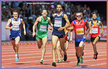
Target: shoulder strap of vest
(74,21)
(85,21)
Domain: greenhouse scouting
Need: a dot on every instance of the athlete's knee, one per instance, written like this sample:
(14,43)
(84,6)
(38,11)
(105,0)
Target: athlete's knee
(94,43)
(54,47)
(63,48)
(39,45)
(81,44)
(43,46)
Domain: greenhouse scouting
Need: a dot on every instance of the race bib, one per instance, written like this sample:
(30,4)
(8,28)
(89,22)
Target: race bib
(58,22)
(80,31)
(15,26)
(94,30)
(43,28)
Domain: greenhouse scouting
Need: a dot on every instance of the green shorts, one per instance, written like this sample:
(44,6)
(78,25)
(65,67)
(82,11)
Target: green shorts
(41,36)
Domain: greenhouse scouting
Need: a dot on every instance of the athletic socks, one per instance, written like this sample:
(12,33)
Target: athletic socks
(16,57)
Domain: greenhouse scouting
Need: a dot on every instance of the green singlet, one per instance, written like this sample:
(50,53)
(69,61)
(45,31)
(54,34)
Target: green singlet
(42,28)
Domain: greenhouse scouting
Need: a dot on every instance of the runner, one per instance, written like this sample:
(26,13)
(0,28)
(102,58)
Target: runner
(42,23)
(59,24)
(79,28)
(95,33)
(59,50)
(14,25)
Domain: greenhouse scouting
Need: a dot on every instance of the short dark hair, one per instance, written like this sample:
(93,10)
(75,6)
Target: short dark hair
(59,4)
(78,11)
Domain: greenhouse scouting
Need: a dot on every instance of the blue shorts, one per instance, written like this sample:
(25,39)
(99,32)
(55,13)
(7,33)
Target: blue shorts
(59,34)
(14,34)
(78,42)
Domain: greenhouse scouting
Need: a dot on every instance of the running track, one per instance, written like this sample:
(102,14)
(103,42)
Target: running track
(30,56)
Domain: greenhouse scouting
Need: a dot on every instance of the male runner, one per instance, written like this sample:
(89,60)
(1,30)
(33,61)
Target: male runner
(59,24)
(42,23)
(14,25)
(79,27)
(95,33)
(59,50)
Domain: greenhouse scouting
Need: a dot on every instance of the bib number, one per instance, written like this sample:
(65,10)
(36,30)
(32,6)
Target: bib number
(94,30)
(58,23)
(43,28)
(80,31)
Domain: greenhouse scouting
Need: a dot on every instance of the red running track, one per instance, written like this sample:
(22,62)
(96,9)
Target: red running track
(30,55)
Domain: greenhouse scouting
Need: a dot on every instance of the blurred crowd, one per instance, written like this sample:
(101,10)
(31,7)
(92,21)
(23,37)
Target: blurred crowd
(29,11)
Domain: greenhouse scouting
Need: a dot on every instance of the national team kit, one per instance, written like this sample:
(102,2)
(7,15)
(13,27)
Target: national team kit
(59,21)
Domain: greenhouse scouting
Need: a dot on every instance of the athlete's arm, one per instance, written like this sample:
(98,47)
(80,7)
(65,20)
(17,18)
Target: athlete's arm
(70,35)
(87,25)
(67,21)
(8,23)
(50,22)
(23,26)
(34,26)
(90,27)
(71,27)
(101,27)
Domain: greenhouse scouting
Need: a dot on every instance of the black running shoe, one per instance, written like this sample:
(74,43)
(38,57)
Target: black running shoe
(78,62)
(54,64)
(95,56)
(65,57)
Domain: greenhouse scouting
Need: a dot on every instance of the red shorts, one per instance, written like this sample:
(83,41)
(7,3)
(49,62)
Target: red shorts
(66,38)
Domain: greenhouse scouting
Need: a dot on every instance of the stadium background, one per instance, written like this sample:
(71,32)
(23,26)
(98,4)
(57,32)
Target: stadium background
(29,11)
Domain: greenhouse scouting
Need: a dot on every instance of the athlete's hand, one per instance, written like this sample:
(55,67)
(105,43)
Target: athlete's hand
(11,27)
(61,28)
(24,32)
(70,39)
(33,34)
(50,29)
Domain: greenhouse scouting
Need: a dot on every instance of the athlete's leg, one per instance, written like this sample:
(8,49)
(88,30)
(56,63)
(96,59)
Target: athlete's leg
(94,47)
(39,42)
(44,42)
(81,47)
(17,40)
(94,44)
(62,41)
(79,50)
(13,43)
(66,45)
(54,43)
(58,50)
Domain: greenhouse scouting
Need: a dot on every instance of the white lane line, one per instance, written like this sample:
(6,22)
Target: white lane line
(34,50)
(57,63)
(8,59)
(35,53)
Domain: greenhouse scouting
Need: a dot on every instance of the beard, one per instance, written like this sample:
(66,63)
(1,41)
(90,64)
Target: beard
(59,11)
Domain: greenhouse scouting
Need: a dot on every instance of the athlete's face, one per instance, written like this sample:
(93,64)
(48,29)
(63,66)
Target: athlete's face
(15,15)
(94,16)
(44,13)
(79,16)
(59,8)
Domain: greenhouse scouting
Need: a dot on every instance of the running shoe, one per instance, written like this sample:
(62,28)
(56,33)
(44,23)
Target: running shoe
(54,64)
(59,61)
(41,61)
(16,57)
